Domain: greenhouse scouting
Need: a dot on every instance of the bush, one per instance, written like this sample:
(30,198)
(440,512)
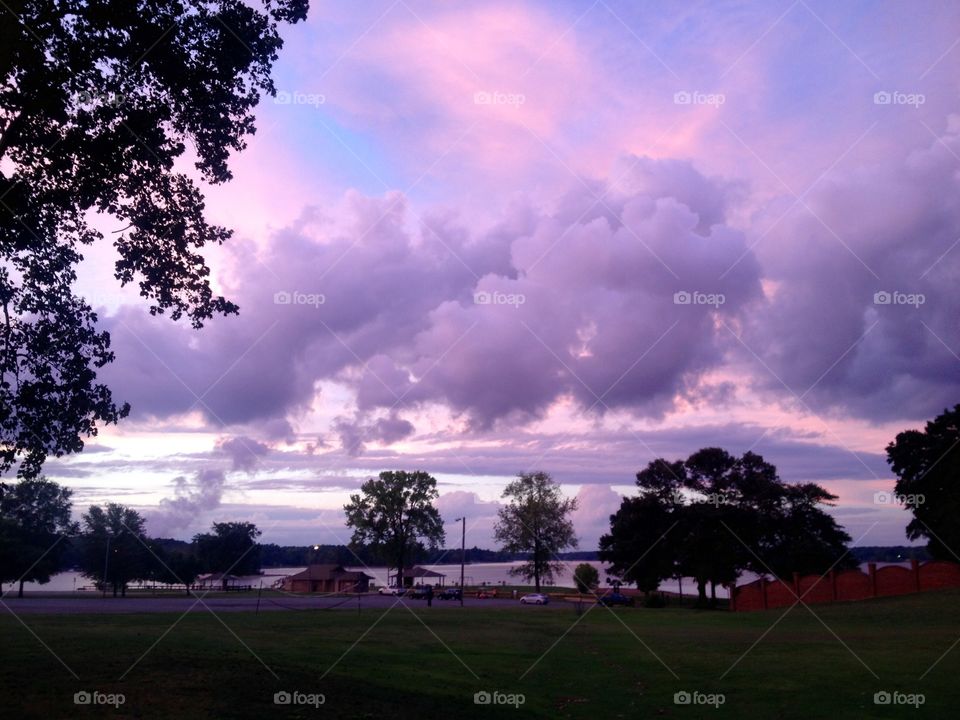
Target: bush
(586,577)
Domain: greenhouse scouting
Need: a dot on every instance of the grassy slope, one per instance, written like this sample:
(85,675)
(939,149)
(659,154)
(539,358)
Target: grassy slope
(599,669)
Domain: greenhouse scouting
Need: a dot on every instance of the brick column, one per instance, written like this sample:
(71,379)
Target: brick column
(872,570)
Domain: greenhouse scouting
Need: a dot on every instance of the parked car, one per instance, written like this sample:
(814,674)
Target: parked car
(450,594)
(615,598)
(485,593)
(417,593)
(391,591)
(534,599)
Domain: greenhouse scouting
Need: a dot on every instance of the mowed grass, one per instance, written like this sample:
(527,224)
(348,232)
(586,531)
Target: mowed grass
(427,663)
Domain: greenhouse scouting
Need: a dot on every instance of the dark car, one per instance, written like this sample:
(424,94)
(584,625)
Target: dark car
(450,594)
(615,598)
(417,593)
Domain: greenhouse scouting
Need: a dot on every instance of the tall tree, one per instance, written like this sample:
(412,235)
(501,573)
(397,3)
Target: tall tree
(34,526)
(927,465)
(115,549)
(715,515)
(536,521)
(99,99)
(640,547)
(802,537)
(231,547)
(394,516)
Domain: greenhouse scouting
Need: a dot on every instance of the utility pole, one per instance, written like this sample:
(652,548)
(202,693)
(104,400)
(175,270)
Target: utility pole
(463,552)
(106,564)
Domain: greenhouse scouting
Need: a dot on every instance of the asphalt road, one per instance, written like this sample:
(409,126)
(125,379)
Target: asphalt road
(70,604)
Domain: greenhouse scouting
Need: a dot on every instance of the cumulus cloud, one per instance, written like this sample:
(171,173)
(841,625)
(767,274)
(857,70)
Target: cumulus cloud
(192,496)
(494,326)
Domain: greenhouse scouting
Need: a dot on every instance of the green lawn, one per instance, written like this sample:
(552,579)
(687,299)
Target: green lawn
(423,665)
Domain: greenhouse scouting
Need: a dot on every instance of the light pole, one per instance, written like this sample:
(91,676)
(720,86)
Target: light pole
(463,545)
(106,565)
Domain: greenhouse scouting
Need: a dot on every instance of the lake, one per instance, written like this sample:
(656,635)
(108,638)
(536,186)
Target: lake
(474,574)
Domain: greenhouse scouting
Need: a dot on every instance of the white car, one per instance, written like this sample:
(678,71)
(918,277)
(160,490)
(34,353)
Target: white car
(391,591)
(534,599)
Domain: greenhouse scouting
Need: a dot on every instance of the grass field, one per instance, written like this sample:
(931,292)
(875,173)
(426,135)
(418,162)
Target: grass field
(430,663)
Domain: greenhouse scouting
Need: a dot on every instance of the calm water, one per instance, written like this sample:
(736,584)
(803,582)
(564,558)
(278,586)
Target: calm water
(475,574)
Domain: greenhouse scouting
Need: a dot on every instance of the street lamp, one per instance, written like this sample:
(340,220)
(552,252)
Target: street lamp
(463,541)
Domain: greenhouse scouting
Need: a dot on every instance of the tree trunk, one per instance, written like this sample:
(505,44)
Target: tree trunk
(713,594)
(20,593)
(536,565)
(114,589)
(701,593)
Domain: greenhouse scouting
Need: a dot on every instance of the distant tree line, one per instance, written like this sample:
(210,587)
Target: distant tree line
(110,544)
(712,517)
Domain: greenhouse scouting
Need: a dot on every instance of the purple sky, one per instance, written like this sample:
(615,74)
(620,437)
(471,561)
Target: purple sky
(485,238)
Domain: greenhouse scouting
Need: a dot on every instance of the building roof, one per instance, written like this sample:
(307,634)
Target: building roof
(418,571)
(216,576)
(328,572)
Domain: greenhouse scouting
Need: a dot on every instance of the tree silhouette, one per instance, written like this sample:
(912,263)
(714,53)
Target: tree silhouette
(34,526)
(98,101)
(394,516)
(927,464)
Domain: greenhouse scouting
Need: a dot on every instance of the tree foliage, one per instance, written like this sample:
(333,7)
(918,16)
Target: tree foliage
(34,526)
(230,547)
(713,516)
(536,521)
(927,465)
(116,551)
(99,100)
(586,577)
(394,516)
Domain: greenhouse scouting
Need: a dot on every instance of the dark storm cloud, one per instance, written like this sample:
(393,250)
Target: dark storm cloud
(889,228)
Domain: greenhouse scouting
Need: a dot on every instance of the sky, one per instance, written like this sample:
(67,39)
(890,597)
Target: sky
(481,239)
